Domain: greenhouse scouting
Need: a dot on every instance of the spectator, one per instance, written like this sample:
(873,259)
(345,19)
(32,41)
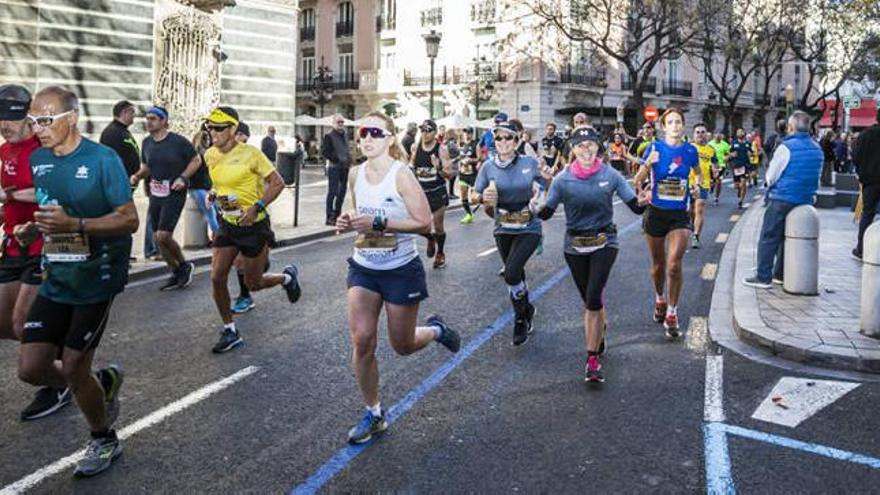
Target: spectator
(840,153)
(334,149)
(450,140)
(775,140)
(269,146)
(866,155)
(409,137)
(828,158)
(792,180)
(243,133)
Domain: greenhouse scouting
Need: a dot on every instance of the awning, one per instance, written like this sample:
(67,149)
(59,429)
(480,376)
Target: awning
(864,116)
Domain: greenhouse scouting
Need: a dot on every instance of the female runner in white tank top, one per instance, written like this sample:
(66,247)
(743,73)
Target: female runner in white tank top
(389,210)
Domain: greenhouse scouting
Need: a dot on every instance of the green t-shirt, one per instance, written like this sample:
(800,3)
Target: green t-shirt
(722,149)
(640,151)
(90,182)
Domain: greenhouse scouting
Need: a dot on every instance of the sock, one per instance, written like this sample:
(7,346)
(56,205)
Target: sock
(441,241)
(517,291)
(230,326)
(375,410)
(671,310)
(429,236)
(466,205)
(105,433)
(592,353)
(287,279)
(659,298)
(243,290)
(438,331)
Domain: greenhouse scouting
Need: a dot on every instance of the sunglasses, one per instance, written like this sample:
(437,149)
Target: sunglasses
(47,120)
(373,132)
(217,128)
(504,137)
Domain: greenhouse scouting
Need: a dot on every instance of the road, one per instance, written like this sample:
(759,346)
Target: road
(493,419)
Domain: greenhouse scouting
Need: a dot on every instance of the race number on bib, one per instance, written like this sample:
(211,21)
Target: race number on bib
(160,188)
(739,171)
(586,244)
(66,248)
(466,169)
(229,206)
(672,189)
(426,174)
(514,219)
(376,243)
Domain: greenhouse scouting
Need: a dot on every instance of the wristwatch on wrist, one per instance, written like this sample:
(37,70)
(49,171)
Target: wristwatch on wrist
(260,205)
(380,223)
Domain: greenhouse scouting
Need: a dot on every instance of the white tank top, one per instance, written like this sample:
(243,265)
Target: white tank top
(382,251)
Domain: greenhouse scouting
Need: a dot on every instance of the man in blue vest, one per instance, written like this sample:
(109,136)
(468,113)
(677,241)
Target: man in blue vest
(792,180)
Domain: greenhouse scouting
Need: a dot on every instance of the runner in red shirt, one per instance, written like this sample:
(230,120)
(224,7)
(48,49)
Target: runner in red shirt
(21,248)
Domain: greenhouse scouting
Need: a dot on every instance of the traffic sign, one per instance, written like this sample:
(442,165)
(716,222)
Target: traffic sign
(651,114)
(852,102)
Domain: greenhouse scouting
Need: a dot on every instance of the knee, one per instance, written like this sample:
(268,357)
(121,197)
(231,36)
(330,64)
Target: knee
(363,343)
(29,373)
(512,277)
(403,348)
(219,280)
(674,268)
(162,236)
(594,302)
(253,283)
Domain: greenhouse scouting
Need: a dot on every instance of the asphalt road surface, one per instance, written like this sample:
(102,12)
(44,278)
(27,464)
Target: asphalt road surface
(272,416)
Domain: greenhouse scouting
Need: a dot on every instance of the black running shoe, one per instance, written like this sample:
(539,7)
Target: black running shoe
(229,339)
(47,401)
(293,289)
(185,274)
(522,327)
(449,338)
(172,283)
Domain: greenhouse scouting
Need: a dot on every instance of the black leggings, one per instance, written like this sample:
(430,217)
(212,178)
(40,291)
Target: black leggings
(515,250)
(590,273)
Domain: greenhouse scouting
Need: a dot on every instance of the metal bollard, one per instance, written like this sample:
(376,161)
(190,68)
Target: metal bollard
(801,269)
(870,315)
(195,227)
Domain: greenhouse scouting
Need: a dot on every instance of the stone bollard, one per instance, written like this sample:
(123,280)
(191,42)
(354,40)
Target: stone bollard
(870,317)
(195,227)
(801,269)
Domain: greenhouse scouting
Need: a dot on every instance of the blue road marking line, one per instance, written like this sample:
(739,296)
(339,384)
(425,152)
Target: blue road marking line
(719,478)
(346,454)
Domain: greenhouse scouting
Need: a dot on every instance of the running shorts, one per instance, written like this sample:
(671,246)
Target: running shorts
(165,212)
(24,269)
(470,180)
(437,198)
(404,285)
(249,240)
(658,222)
(704,193)
(78,327)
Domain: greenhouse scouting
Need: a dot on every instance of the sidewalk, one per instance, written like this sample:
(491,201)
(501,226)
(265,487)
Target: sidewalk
(820,330)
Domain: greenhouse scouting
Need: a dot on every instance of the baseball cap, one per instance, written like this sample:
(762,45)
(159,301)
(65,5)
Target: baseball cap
(585,134)
(500,117)
(14,102)
(507,127)
(243,129)
(428,126)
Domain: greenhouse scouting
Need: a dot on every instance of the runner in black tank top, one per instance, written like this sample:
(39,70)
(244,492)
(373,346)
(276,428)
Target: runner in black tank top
(432,166)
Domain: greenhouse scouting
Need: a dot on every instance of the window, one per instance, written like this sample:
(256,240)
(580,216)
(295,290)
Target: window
(308,68)
(797,81)
(389,14)
(388,61)
(307,25)
(344,20)
(345,67)
(672,72)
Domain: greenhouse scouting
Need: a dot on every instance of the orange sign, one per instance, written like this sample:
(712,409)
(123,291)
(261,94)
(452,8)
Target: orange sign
(651,114)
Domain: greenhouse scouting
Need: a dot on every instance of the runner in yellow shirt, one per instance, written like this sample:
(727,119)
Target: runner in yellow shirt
(700,192)
(245,182)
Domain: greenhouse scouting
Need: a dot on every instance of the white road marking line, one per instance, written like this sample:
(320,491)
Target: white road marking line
(709,271)
(152,419)
(793,400)
(713,408)
(722,237)
(697,336)
(487,252)
(734,217)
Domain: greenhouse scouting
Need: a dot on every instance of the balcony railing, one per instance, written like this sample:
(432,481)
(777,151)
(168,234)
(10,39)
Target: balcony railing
(483,12)
(575,75)
(678,88)
(650,86)
(344,28)
(432,17)
(455,75)
(340,81)
(304,85)
(385,24)
(307,33)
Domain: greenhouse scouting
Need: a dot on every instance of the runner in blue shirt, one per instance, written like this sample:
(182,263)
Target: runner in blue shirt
(487,142)
(669,163)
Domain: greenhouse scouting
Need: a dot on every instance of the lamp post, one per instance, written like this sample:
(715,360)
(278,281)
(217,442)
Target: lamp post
(322,88)
(432,45)
(602,84)
(789,99)
(483,93)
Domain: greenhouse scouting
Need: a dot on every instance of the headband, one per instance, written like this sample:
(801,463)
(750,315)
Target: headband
(158,112)
(218,116)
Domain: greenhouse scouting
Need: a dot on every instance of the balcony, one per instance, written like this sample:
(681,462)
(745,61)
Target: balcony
(343,81)
(307,33)
(344,28)
(384,23)
(455,75)
(576,75)
(677,87)
(303,85)
(432,17)
(483,12)
(650,86)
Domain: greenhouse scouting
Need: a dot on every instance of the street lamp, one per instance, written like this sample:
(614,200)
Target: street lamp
(432,45)
(789,99)
(602,84)
(484,93)
(322,87)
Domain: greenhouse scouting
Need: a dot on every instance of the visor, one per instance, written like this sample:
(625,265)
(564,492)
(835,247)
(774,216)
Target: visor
(218,116)
(506,127)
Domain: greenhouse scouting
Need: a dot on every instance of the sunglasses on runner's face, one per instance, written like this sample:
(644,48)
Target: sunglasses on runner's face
(217,128)
(47,120)
(504,137)
(373,132)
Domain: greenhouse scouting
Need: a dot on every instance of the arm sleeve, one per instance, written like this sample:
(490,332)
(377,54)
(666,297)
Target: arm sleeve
(554,196)
(482,181)
(115,180)
(777,164)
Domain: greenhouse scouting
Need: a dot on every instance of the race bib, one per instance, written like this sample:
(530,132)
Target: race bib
(514,219)
(229,206)
(426,174)
(467,169)
(160,188)
(672,189)
(66,248)
(739,171)
(586,244)
(376,242)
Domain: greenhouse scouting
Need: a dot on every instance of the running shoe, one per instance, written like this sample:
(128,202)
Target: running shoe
(367,427)
(659,311)
(593,370)
(47,401)
(740,205)
(716,201)
(522,326)
(294,291)
(695,243)
(856,255)
(242,305)
(432,248)
(229,339)
(100,453)
(172,283)
(756,283)
(501,272)
(440,261)
(467,219)
(111,379)
(448,338)
(670,323)
(185,274)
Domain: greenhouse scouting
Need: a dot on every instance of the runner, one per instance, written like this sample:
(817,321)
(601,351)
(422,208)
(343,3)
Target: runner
(700,189)
(467,173)
(505,185)
(431,164)
(245,183)
(587,187)
(88,217)
(169,160)
(722,149)
(551,145)
(389,208)
(487,142)
(757,151)
(20,271)
(617,155)
(740,162)
(669,163)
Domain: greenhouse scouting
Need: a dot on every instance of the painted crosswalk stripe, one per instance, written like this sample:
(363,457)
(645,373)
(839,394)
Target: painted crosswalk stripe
(709,271)
(722,237)
(487,252)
